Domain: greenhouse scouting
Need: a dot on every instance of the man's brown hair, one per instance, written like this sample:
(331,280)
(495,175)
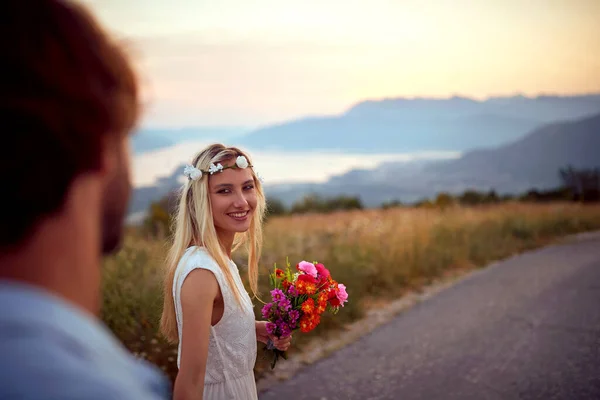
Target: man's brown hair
(64,86)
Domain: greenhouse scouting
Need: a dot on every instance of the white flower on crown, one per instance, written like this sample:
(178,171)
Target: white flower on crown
(192,172)
(215,168)
(260,178)
(241,162)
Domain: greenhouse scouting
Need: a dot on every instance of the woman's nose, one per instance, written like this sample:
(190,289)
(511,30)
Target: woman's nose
(240,201)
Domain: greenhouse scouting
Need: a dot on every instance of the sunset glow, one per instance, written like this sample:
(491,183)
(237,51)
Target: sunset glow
(234,62)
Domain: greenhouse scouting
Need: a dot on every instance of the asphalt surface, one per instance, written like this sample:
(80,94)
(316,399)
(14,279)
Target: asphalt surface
(525,328)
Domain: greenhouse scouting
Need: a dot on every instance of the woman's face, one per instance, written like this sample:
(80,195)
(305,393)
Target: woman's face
(233,197)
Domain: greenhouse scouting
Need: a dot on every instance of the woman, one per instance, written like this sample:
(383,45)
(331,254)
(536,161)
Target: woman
(206,308)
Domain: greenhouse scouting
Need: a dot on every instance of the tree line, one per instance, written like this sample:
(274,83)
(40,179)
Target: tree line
(580,185)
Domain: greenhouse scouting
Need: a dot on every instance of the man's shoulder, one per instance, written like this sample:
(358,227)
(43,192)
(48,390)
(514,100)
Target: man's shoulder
(42,369)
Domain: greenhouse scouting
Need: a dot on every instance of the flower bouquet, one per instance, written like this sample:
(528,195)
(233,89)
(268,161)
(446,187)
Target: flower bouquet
(298,300)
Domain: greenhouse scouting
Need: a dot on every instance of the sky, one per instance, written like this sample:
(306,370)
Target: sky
(254,63)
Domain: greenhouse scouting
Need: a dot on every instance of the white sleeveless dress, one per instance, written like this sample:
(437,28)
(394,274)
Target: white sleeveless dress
(232,343)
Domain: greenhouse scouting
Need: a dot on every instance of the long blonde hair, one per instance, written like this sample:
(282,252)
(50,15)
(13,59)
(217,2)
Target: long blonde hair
(194,225)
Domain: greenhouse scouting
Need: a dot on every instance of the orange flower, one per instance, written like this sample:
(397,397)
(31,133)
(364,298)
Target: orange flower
(305,324)
(323,296)
(317,319)
(309,322)
(306,284)
(301,287)
(308,307)
(321,307)
(311,288)
(314,320)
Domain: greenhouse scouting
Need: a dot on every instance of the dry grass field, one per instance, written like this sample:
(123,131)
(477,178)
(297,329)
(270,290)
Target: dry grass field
(378,254)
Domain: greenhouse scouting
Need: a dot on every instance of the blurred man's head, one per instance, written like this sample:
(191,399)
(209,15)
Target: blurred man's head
(68,100)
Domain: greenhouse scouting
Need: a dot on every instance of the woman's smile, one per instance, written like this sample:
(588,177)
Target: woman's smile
(239,215)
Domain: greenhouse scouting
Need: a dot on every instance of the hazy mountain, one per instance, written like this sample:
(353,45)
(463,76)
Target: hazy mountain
(143,196)
(540,108)
(535,159)
(408,125)
(143,142)
(531,162)
(149,139)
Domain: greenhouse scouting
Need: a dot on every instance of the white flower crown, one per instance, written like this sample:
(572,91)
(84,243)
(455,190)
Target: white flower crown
(193,173)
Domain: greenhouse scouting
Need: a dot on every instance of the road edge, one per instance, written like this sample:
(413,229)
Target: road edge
(375,318)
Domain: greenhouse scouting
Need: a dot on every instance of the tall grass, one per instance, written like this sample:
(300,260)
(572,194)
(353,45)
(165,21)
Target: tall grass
(378,254)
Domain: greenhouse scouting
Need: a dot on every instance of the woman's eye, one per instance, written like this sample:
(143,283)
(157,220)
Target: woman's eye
(249,187)
(224,191)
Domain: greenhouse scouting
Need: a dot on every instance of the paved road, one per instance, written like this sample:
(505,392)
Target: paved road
(526,328)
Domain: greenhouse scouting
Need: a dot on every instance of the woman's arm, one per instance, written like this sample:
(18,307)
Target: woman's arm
(198,293)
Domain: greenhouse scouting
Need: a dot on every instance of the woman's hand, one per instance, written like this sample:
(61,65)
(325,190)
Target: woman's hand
(263,336)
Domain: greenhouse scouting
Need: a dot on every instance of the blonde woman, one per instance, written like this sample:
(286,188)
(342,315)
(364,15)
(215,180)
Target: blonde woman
(206,308)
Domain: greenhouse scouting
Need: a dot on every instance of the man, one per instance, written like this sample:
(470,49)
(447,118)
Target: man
(68,99)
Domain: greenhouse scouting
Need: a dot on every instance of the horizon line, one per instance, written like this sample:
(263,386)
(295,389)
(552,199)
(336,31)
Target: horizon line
(477,99)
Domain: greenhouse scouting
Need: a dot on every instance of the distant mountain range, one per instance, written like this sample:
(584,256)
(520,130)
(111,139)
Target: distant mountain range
(394,125)
(146,139)
(512,144)
(531,162)
(410,125)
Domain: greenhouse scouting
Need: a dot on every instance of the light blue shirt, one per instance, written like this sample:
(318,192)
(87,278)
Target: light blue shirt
(49,349)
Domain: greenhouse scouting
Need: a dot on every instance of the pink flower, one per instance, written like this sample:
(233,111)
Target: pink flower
(277,295)
(323,272)
(308,268)
(271,328)
(341,294)
(292,291)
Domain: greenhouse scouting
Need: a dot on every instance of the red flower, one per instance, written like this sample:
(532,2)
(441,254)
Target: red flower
(306,284)
(278,273)
(323,272)
(321,307)
(333,300)
(323,296)
(307,278)
(305,324)
(314,320)
(301,287)
(309,322)
(308,307)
